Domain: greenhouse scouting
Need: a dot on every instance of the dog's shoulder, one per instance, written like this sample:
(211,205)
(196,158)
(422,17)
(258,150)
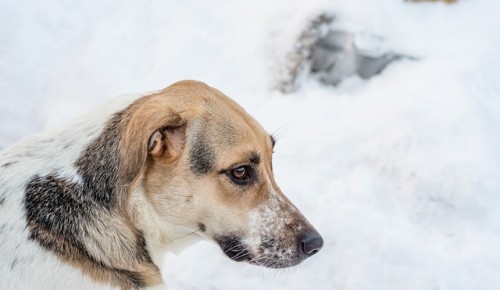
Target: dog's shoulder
(36,173)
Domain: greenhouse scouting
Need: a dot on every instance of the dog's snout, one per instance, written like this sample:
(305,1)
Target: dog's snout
(311,242)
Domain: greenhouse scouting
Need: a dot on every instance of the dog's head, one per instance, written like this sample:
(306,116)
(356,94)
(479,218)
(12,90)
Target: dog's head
(205,166)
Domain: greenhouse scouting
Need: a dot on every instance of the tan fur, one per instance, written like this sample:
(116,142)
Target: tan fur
(241,134)
(234,134)
(164,200)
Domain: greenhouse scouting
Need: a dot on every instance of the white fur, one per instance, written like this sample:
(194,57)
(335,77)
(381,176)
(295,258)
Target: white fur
(24,263)
(268,219)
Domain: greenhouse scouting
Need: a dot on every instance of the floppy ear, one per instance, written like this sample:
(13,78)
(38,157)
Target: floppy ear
(151,131)
(167,142)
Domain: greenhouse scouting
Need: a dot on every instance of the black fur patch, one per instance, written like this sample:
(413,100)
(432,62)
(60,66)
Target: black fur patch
(60,213)
(201,155)
(232,246)
(202,227)
(99,164)
(56,205)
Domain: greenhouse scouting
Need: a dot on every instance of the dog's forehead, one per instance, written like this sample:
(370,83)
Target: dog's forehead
(228,123)
(237,129)
(220,132)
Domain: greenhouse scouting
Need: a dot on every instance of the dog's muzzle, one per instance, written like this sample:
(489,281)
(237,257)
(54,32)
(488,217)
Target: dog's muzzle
(274,252)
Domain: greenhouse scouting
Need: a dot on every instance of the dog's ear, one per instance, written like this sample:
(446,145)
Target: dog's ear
(167,143)
(150,131)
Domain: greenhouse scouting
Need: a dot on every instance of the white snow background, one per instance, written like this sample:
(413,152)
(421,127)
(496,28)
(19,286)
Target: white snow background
(400,173)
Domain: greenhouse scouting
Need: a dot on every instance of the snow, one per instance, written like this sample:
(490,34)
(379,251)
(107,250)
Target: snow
(400,173)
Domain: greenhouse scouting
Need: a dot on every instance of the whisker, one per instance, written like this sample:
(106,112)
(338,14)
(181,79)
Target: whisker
(182,237)
(240,247)
(230,249)
(178,204)
(260,260)
(177,194)
(241,254)
(281,130)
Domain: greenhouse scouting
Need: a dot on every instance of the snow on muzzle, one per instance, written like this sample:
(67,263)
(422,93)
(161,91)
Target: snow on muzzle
(277,236)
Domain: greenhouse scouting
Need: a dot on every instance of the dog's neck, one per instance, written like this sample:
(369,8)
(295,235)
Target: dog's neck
(160,236)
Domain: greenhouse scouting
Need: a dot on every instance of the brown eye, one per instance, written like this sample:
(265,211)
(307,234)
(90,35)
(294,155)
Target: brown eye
(239,173)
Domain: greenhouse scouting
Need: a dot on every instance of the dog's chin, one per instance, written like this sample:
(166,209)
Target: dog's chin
(236,250)
(276,263)
(233,247)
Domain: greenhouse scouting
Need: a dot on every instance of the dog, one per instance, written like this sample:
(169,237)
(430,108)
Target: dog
(97,204)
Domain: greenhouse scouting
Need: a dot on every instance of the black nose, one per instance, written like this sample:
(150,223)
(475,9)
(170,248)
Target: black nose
(311,243)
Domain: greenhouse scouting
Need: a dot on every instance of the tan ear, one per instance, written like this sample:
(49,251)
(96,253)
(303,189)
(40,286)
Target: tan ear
(167,143)
(150,131)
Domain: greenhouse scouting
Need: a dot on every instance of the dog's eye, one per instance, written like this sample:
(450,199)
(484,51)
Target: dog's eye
(241,175)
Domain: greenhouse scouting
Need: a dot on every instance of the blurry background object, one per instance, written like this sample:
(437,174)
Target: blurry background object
(298,61)
(333,54)
(447,1)
(338,55)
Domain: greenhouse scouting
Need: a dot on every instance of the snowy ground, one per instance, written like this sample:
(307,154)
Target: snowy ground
(400,174)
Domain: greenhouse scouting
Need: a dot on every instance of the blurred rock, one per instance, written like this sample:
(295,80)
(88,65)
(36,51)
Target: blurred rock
(333,55)
(337,56)
(298,61)
(447,1)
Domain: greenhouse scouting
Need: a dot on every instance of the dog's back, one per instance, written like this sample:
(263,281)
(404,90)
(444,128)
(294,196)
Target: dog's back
(25,264)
